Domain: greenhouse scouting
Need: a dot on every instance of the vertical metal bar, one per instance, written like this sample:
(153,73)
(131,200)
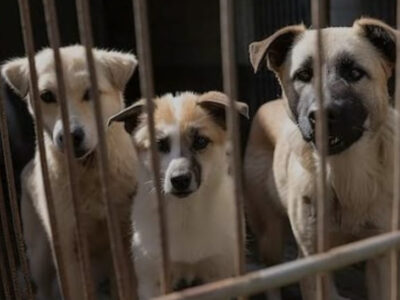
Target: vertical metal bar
(27,34)
(81,238)
(117,249)
(3,273)
(147,90)
(317,14)
(394,257)
(13,194)
(8,243)
(230,84)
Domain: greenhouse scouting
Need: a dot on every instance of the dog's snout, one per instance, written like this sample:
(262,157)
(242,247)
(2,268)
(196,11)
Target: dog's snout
(78,135)
(181,182)
(334,113)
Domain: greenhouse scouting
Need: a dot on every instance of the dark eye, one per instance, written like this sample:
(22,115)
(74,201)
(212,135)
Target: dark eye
(200,142)
(355,74)
(164,145)
(304,75)
(48,97)
(87,96)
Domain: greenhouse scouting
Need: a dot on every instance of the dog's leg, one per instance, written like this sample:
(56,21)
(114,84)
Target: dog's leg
(302,216)
(378,278)
(38,250)
(266,222)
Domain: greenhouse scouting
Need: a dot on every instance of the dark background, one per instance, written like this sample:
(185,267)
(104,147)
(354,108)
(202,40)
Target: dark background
(185,39)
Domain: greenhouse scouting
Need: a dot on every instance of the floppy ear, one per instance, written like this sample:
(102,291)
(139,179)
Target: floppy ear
(129,115)
(216,103)
(274,48)
(120,66)
(380,35)
(16,74)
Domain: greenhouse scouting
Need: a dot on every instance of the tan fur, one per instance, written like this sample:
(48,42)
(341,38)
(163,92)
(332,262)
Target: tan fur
(280,167)
(200,225)
(113,71)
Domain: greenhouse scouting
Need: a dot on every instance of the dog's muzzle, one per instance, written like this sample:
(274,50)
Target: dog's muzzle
(78,142)
(182,178)
(345,124)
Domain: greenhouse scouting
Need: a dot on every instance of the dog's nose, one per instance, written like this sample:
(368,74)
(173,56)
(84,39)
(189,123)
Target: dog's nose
(181,182)
(333,114)
(77,135)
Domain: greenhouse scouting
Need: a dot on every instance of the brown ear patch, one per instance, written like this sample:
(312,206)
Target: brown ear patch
(130,116)
(380,35)
(217,103)
(274,48)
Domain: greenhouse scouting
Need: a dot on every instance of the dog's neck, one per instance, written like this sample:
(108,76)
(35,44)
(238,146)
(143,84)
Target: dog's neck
(362,176)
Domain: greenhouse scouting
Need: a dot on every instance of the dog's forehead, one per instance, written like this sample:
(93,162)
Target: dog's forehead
(180,109)
(73,62)
(336,41)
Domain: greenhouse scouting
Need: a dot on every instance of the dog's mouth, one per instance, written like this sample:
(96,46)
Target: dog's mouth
(182,194)
(339,143)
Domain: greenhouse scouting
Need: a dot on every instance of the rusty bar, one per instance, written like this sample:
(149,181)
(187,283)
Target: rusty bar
(3,273)
(230,84)
(82,247)
(394,257)
(147,90)
(13,194)
(27,33)
(8,243)
(117,249)
(317,15)
(291,272)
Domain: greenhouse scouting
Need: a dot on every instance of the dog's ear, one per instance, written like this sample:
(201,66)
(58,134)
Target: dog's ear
(129,115)
(120,66)
(274,48)
(380,35)
(216,103)
(16,74)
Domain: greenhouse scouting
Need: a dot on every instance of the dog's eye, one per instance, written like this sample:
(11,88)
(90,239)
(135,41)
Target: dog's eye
(200,142)
(87,96)
(355,74)
(48,96)
(164,145)
(304,75)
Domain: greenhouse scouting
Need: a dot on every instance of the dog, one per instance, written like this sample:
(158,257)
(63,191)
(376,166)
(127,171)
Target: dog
(192,144)
(113,70)
(281,157)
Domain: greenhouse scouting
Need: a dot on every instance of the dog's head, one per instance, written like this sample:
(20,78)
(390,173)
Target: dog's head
(113,71)
(191,138)
(356,66)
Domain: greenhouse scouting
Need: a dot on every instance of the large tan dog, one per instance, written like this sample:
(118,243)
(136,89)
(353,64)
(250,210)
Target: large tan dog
(198,189)
(281,158)
(113,70)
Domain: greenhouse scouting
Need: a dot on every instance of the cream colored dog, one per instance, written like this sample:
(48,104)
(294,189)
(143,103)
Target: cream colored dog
(281,155)
(113,71)
(198,190)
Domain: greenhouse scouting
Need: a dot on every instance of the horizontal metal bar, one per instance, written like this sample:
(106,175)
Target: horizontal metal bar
(291,272)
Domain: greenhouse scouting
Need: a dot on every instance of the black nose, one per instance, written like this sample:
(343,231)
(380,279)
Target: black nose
(334,114)
(77,135)
(181,182)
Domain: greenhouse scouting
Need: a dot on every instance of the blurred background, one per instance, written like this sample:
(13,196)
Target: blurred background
(185,39)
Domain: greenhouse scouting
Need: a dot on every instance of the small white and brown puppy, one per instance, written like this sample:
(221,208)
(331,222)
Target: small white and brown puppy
(281,156)
(113,70)
(198,190)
